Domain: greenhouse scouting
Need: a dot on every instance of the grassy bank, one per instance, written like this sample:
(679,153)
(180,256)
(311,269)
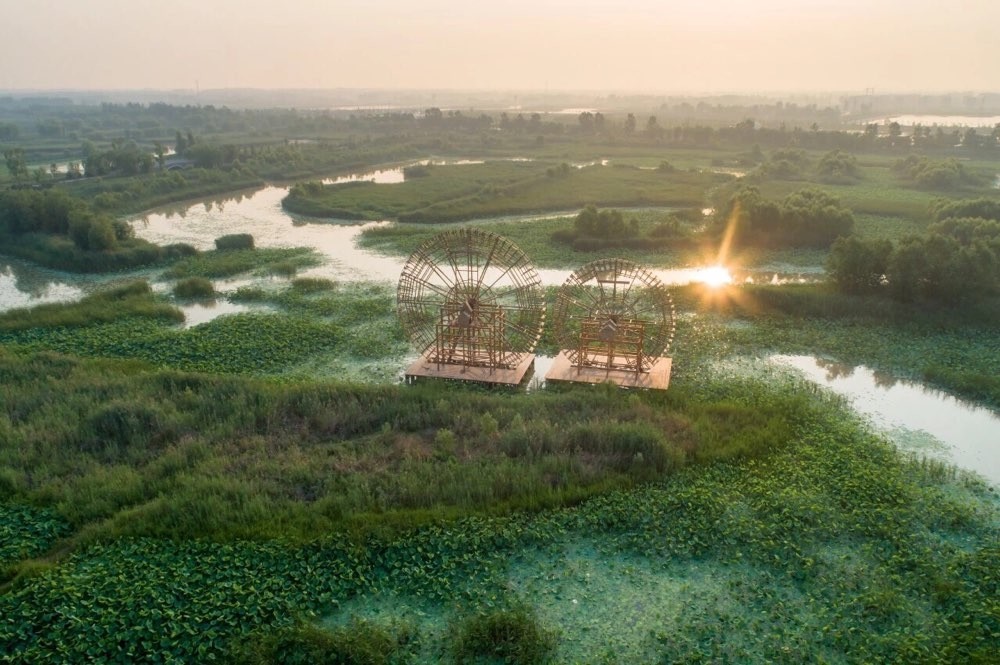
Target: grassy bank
(449,193)
(181,455)
(534,237)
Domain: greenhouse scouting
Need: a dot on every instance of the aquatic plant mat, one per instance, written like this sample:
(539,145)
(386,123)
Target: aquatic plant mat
(831,547)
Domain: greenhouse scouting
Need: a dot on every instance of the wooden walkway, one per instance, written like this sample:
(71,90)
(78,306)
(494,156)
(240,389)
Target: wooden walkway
(658,378)
(424,368)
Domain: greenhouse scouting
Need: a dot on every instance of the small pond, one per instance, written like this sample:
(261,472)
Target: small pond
(203,311)
(924,421)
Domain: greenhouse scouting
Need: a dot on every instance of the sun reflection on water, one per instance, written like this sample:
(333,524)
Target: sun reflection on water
(714,276)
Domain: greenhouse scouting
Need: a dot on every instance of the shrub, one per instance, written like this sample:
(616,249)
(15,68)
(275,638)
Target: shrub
(101,235)
(194,287)
(248,294)
(416,171)
(838,167)
(859,266)
(124,423)
(283,268)
(234,241)
(512,636)
(626,443)
(178,250)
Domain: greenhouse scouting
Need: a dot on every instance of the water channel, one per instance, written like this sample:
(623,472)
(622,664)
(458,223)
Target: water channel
(926,422)
(929,120)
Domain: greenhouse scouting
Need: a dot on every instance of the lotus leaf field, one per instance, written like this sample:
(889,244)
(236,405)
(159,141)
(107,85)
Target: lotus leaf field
(833,545)
(351,322)
(401,523)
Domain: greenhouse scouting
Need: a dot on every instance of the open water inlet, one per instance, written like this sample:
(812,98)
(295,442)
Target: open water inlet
(920,420)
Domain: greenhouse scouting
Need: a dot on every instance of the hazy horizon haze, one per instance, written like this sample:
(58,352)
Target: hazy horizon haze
(556,45)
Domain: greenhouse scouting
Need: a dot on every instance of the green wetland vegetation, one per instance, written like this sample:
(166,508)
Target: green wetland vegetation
(819,530)
(460,192)
(260,488)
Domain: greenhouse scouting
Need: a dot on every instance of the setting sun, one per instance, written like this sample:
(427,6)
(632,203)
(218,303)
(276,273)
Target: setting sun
(714,276)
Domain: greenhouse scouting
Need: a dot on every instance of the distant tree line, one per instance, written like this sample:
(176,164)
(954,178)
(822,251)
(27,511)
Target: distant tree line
(678,124)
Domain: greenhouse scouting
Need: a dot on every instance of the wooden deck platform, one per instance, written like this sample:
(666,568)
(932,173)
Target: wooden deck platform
(658,378)
(425,368)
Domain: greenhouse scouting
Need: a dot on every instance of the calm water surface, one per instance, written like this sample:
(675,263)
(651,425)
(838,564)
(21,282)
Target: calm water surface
(944,120)
(918,419)
(260,214)
(25,285)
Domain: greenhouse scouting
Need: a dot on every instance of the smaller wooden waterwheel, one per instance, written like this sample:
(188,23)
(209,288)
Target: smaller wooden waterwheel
(614,314)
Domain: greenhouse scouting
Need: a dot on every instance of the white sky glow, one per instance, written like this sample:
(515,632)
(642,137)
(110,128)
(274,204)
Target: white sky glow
(654,45)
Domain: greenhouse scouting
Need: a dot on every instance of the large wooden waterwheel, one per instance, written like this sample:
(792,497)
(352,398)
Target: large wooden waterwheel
(613,314)
(471,298)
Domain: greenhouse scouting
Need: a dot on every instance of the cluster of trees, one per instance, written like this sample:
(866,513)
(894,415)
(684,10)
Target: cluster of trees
(53,211)
(122,158)
(16,163)
(595,229)
(593,122)
(957,259)
(835,167)
(592,223)
(806,218)
(125,158)
(935,174)
(784,164)
(838,167)
(60,231)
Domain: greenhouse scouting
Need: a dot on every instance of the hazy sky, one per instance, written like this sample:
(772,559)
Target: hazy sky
(656,45)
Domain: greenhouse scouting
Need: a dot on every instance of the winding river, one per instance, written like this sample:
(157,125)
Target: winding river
(259,213)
